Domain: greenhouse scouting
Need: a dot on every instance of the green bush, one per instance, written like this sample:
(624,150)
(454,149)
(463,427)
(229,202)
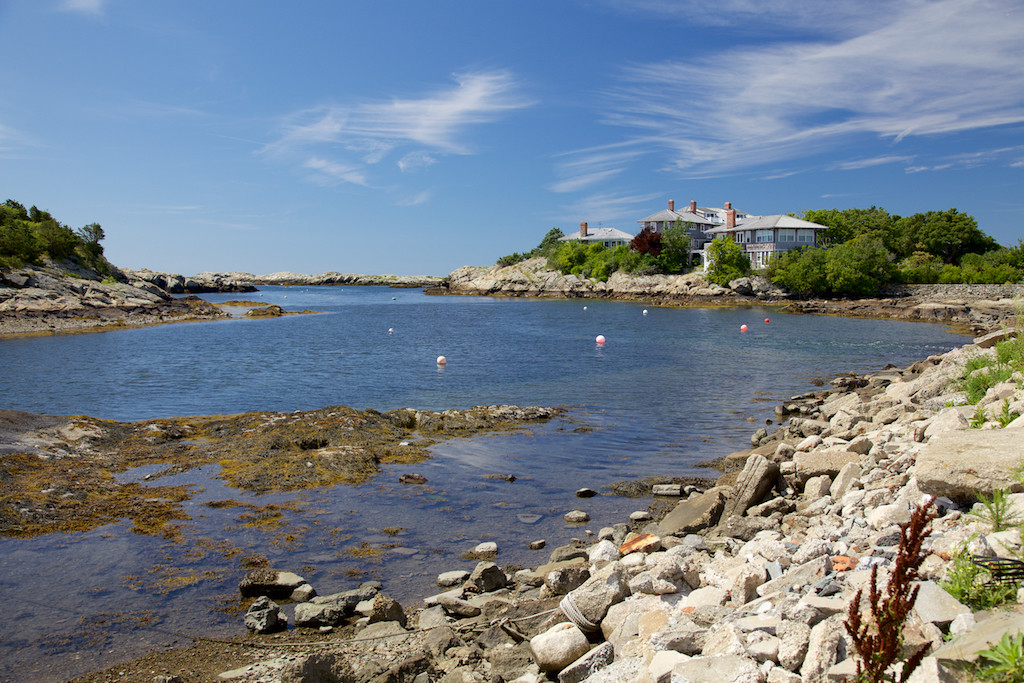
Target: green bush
(26,236)
(726,261)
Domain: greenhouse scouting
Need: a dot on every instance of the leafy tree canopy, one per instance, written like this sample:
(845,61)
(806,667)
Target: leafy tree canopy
(29,235)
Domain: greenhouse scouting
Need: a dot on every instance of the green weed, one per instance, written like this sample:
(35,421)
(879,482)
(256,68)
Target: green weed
(973,586)
(997,512)
(1004,661)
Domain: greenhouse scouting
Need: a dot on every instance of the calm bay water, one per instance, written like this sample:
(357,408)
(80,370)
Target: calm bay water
(668,389)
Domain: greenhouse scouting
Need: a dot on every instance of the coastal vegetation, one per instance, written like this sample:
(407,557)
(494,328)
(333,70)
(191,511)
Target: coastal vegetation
(862,252)
(28,236)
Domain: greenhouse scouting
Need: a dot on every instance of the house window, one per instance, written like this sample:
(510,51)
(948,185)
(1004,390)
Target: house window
(787,235)
(805,236)
(764,236)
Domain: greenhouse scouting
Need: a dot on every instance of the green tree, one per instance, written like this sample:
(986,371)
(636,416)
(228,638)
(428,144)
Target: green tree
(549,243)
(860,267)
(947,234)
(675,248)
(726,261)
(801,271)
(845,224)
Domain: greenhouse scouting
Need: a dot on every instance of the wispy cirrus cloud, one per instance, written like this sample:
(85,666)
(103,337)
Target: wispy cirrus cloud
(606,207)
(888,71)
(86,6)
(858,164)
(422,129)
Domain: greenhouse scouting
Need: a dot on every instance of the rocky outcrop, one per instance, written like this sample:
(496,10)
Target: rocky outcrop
(202,283)
(533,278)
(353,279)
(61,298)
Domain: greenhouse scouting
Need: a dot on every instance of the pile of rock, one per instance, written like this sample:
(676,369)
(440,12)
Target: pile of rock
(753,579)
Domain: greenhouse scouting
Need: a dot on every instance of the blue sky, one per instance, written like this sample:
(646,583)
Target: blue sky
(413,137)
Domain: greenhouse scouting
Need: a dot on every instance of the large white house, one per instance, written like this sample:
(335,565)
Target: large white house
(764,236)
(760,236)
(608,237)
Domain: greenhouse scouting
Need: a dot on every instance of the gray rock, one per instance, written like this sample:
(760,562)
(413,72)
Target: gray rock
(683,636)
(804,574)
(457,607)
(674,490)
(452,578)
(793,639)
(754,482)
(695,513)
(563,579)
(934,605)
(817,487)
(558,647)
(487,577)
(567,552)
(825,647)
(960,465)
(264,616)
(386,609)
(576,517)
(603,552)
(826,461)
(717,669)
(303,593)
(850,472)
(269,582)
(588,664)
(598,593)
(724,639)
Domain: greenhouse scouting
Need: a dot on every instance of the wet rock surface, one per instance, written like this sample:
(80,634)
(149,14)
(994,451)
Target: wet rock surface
(56,473)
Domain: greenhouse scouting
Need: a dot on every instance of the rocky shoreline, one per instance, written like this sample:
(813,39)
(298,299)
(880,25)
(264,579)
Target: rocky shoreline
(748,580)
(977,306)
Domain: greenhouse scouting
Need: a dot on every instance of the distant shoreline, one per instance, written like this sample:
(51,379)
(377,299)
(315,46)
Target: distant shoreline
(36,302)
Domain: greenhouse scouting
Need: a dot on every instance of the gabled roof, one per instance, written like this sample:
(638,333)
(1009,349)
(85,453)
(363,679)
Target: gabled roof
(769,222)
(667,216)
(780,221)
(599,235)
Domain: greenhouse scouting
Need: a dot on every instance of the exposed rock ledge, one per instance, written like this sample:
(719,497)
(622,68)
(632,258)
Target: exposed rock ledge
(64,299)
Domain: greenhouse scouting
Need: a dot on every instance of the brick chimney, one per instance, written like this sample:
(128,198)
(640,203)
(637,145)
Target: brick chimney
(693,206)
(730,216)
(671,205)
(583,229)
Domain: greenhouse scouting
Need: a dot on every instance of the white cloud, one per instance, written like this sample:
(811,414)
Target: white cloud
(858,164)
(87,6)
(895,70)
(583,168)
(328,172)
(427,126)
(607,207)
(416,199)
(415,161)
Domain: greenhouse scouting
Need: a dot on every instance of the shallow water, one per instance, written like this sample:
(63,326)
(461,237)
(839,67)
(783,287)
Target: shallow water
(667,390)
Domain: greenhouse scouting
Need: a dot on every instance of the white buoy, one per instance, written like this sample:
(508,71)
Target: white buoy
(645,311)
(390,330)
(584,308)
(600,339)
(393,298)
(441,360)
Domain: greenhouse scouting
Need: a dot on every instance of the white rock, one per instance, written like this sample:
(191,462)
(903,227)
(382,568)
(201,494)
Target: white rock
(559,646)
